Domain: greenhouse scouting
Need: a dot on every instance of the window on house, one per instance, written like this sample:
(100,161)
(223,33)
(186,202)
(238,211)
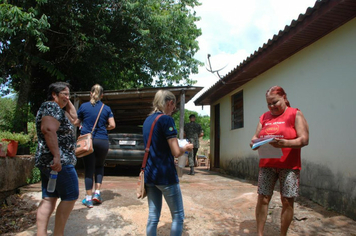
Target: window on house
(237,110)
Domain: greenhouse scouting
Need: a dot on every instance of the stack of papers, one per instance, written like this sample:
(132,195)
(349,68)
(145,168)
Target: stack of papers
(261,141)
(266,151)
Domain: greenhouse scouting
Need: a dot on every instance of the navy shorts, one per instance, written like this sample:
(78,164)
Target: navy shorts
(67,185)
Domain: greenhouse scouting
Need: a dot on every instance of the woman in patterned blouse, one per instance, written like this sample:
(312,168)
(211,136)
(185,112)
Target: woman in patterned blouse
(56,151)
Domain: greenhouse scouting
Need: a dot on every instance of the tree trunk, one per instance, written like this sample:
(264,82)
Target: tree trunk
(21,112)
(22,106)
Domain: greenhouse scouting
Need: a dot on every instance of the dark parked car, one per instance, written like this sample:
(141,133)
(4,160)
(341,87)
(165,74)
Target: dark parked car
(125,148)
(130,108)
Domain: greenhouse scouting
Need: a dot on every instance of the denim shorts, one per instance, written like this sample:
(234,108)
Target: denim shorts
(67,185)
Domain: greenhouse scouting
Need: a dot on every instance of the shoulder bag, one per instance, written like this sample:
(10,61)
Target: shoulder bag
(85,142)
(141,191)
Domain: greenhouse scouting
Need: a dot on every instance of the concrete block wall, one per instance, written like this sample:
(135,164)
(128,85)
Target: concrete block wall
(14,172)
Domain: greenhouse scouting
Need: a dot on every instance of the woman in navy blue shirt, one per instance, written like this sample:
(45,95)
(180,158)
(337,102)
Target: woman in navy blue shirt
(161,177)
(94,162)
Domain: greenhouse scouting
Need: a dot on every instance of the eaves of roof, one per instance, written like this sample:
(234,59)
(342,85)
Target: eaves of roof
(318,21)
(132,106)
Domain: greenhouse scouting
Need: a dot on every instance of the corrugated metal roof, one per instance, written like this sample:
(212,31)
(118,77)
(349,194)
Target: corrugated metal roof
(318,21)
(132,106)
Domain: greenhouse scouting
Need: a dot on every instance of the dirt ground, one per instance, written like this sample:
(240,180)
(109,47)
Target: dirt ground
(214,205)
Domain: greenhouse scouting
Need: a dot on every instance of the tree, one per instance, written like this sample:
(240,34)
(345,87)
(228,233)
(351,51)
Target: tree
(204,121)
(7,109)
(21,40)
(119,44)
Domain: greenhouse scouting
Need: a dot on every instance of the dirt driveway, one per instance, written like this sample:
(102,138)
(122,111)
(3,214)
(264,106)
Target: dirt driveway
(214,205)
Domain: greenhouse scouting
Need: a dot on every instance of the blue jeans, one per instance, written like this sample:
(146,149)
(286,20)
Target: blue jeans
(173,197)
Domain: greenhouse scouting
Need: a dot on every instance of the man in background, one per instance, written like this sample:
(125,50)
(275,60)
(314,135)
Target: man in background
(193,131)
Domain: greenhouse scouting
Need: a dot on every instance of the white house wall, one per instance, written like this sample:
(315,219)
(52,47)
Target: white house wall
(320,80)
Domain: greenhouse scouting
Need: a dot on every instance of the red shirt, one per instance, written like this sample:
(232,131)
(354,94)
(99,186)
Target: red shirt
(282,126)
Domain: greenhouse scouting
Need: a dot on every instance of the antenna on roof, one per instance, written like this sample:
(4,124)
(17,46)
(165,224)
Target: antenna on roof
(210,69)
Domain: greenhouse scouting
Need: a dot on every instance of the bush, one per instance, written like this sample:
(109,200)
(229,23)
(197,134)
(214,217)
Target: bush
(7,111)
(19,137)
(35,176)
(33,137)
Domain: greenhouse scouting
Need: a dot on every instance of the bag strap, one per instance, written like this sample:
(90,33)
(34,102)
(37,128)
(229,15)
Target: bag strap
(97,118)
(147,150)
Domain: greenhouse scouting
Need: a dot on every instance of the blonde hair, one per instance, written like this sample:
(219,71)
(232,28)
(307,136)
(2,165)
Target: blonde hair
(160,100)
(95,93)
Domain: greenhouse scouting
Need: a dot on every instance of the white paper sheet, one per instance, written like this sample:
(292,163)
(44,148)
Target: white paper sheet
(268,151)
(261,141)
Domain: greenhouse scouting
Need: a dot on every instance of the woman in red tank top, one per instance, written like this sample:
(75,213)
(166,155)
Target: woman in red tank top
(291,132)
